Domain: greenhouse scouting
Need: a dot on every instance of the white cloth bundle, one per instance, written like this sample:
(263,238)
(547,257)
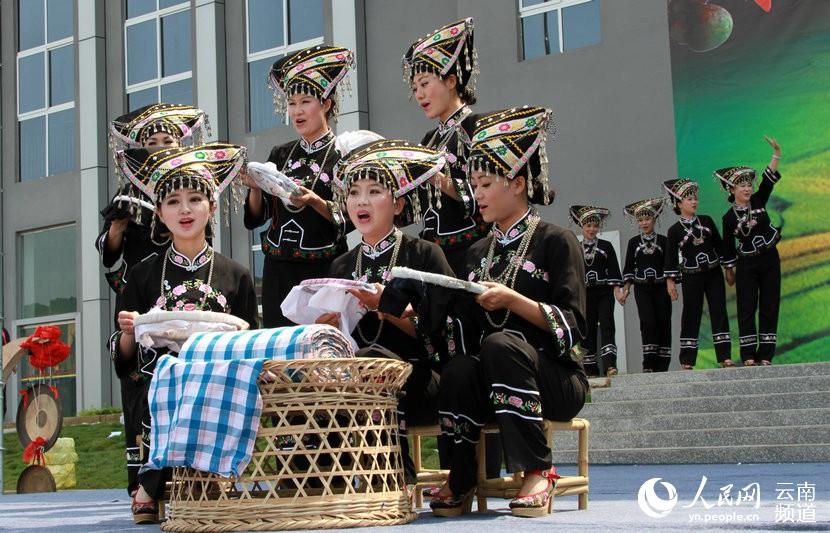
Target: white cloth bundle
(314,297)
(272,181)
(438,279)
(351,140)
(170,329)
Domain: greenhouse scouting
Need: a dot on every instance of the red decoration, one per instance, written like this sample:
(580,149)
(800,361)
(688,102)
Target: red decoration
(766,5)
(45,347)
(33,454)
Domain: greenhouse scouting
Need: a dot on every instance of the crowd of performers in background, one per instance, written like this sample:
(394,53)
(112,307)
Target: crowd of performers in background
(517,353)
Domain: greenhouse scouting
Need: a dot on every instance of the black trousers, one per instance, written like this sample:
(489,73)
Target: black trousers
(599,312)
(278,278)
(512,384)
(758,290)
(654,310)
(695,286)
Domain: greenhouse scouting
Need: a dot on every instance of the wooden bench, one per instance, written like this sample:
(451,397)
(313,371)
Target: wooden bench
(508,486)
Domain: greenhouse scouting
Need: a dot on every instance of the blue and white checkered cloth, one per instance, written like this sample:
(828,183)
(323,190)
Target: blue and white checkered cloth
(205,405)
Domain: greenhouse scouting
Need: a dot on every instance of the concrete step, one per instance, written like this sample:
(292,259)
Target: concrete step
(695,389)
(739,419)
(782,453)
(704,437)
(722,374)
(712,404)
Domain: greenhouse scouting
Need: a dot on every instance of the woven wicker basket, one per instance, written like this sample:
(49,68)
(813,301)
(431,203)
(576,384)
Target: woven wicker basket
(327,455)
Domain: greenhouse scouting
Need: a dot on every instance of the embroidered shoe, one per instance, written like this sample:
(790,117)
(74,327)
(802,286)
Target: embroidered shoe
(452,505)
(431,492)
(145,512)
(539,503)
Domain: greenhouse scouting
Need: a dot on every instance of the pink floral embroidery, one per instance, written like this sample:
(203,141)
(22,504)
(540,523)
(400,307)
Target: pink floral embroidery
(384,245)
(295,164)
(451,345)
(179,304)
(178,290)
(178,259)
(324,177)
(451,158)
(385,275)
(220,154)
(471,276)
(222,300)
(204,287)
(176,162)
(315,167)
(560,334)
(529,266)
(504,127)
(515,401)
(160,301)
(189,307)
(513,233)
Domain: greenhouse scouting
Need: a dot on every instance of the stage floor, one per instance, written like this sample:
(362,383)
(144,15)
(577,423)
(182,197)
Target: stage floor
(792,497)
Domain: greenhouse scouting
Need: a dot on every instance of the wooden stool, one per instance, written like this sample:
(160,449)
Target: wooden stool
(508,486)
(427,477)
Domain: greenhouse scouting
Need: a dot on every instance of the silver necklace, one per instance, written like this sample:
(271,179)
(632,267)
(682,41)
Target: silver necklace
(316,175)
(164,271)
(508,275)
(690,232)
(358,267)
(648,245)
(589,256)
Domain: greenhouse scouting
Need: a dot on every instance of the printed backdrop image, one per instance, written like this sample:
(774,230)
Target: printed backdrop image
(742,69)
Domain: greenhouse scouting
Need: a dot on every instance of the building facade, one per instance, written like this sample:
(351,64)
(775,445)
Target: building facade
(69,66)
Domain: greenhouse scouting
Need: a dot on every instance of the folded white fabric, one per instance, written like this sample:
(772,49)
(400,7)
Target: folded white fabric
(169,329)
(314,297)
(272,181)
(351,140)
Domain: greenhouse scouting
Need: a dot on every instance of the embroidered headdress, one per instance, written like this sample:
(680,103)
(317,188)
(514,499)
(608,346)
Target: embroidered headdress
(648,208)
(732,176)
(513,143)
(180,121)
(585,214)
(447,50)
(679,188)
(315,71)
(397,165)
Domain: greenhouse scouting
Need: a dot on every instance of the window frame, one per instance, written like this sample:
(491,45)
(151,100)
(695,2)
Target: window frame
(46,110)
(160,80)
(545,7)
(274,53)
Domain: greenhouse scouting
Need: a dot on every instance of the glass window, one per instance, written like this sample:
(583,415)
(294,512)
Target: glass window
(47,266)
(142,62)
(178,92)
(305,19)
(142,98)
(46,88)
(261,96)
(30,24)
(170,3)
(62,135)
(533,36)
(159,54)
(580,25)
(265,25)
(31,83)
(176,43)
(33,148)
(136,8)
(269,22)
(63,375)
(62,75)
(553,27)
(61,19)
